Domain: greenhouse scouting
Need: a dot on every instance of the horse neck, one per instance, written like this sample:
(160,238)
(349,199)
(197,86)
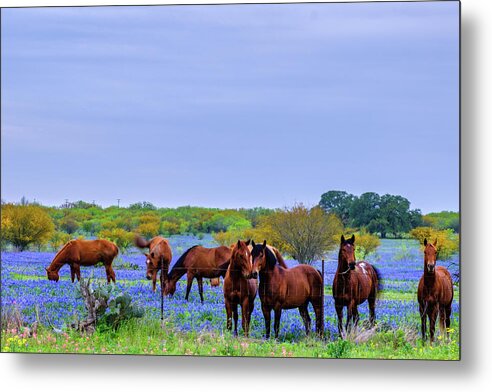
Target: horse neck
(59,260)
(176,273)
(235,270)
(343,267)
(266,274)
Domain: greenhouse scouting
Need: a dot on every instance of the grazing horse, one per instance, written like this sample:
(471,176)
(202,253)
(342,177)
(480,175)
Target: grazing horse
(198,262)
(239,288)
(435,293)
(282,288)
(86,253)
(159,256)
(354,282)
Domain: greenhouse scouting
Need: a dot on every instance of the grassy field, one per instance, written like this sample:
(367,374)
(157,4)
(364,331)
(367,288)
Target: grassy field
(192,328)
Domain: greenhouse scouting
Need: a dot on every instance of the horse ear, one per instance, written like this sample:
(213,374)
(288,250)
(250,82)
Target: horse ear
(342,240)
(253,243)
(238,243)
(146,255)
(435,242)
(247,242)
(352,239)
(264,244)
(425,241)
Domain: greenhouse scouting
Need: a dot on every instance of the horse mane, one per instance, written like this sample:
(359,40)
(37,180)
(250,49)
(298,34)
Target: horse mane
(179,264)
(60,252)
(271,259)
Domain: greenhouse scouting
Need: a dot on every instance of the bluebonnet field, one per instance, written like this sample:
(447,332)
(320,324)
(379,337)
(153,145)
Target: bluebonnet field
(24,285)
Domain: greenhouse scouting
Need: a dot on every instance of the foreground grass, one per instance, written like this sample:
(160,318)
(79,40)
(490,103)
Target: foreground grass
(146,336)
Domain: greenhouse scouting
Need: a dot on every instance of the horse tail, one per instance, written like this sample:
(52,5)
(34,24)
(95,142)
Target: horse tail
(141,242)
(280,259)
(379,278)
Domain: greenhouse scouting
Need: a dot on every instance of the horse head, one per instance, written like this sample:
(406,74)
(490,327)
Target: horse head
(347,252)
(430,256)
(52,275)
(259,256)
(152,262)
(170,287)
(241,259)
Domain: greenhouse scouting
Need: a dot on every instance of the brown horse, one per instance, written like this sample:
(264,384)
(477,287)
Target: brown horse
(282,288)
(86,253)
(239,289)
(435,293)
(354,282)
(159,256)
(198,262)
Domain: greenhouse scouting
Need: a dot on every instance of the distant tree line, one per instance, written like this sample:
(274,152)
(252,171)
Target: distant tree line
(383,215)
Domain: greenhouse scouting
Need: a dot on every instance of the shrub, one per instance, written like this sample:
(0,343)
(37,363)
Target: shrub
(24,225)
(447,241)
(365,244)
(107,306)
(58,239)
(122,238)
(304,233)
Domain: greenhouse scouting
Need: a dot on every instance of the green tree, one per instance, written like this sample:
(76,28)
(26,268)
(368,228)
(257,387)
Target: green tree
(365,211)
(68,224)
(24,225)
(339,203)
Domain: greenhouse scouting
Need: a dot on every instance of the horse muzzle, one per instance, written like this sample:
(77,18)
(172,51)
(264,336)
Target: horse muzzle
(431,268)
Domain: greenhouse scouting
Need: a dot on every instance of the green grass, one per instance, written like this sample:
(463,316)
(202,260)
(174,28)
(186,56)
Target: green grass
(146,336)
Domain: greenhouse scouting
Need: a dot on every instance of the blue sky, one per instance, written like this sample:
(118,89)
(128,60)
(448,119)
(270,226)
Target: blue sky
(231,106)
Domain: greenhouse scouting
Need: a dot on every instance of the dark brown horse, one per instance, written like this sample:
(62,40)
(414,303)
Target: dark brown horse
(282,288)
(159,257)
(354,283)
(198,262)
(435,293)
(239,288)
(86,253)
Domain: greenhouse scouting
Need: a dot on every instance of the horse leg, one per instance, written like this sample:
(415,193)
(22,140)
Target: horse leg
(235,315)
(442,320)
(251,306)
(110,275)
(303,310)
(432,322)
(355,316)
(200,287)
(72,273)
(276,323)
(245,314)
(76,268)
(189,281)
(339,309)
(423,320)
(448,315)
(267,316)
(372,310)
(228,314)
(350,310)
